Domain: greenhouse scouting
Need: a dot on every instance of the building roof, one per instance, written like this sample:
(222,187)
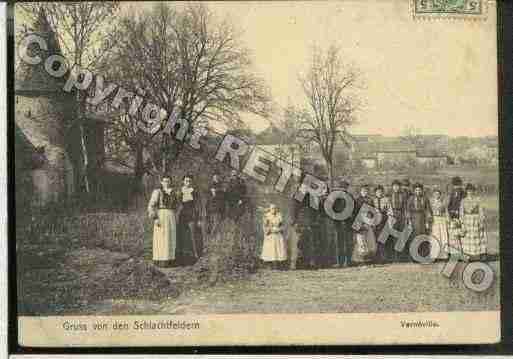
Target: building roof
(397,146)
(427,146)
(366,138)
(33,79)
(370,149)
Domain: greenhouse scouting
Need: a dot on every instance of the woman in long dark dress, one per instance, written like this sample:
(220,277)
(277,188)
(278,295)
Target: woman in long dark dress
(419,215)
(187,246)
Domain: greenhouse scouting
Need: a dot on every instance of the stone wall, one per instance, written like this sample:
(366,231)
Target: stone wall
(44,120)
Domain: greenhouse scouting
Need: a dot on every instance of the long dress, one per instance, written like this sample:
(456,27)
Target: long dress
(365,245)
(274,248)
(419,214)
(188,246)
(474,241)
(398,202)
(162,207)
(440,227)
(215,206)
(418,211)
(385,251)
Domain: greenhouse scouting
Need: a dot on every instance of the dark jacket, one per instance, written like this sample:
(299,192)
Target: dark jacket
(455,198)
(216,199)
(235,190)
(419,213)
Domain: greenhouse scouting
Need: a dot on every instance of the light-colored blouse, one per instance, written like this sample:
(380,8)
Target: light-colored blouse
(471,206)
(439,207)
(273,223)
(187,194)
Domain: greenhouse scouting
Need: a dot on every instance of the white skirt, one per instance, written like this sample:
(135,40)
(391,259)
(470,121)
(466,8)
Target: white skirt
(440,231)
(274,248)
(164,236)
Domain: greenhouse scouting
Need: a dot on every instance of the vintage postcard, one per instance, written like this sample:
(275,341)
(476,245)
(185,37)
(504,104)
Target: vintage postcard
(256,173)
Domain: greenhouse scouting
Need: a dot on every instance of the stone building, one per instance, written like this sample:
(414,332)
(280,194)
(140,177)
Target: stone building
(43,119)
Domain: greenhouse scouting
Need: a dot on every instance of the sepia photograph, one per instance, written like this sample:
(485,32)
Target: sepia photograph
(256,173)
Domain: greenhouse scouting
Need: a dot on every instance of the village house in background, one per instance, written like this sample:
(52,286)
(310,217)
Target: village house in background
(377,152)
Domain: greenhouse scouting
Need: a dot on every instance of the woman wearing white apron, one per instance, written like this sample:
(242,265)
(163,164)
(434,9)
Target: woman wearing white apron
(162,209)
(274,249)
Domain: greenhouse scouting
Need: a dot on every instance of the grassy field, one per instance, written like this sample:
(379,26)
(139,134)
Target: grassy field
(372,289)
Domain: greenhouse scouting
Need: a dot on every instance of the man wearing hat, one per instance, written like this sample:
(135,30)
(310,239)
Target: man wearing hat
(419,214)
(344,234)
(455,198)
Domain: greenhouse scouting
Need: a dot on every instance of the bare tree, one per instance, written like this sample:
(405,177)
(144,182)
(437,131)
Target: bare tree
(85,34)
(291,145)
(190,64)
(330,86)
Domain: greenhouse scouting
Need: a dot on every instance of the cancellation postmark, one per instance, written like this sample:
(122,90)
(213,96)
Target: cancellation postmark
(449,9)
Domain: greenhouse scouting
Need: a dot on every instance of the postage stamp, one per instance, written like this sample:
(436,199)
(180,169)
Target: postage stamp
(465,9)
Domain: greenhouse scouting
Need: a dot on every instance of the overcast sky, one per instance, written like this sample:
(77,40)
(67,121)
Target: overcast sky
(439,76)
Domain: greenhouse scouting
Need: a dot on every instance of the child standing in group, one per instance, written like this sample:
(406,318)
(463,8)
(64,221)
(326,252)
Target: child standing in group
(274,249)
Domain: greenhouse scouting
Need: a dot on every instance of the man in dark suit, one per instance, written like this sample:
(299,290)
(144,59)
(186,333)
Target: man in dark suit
(306,223)
(398,199)
(235,196)
(215,202)
(344,233)
(419,215)
(455,198)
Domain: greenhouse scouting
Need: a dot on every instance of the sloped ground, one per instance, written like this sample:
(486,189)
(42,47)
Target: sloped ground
(60,281)
(104,282)
(391,288)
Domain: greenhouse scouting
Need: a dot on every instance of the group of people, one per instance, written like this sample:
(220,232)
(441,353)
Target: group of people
(176,212)
(305,237)
(457,222)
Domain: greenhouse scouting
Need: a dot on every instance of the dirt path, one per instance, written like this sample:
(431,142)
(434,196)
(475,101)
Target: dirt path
(392,288)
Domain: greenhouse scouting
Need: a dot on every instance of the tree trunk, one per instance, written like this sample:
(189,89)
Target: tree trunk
(139,169)
(330,174)
(85,157)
